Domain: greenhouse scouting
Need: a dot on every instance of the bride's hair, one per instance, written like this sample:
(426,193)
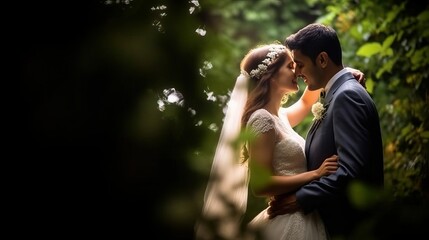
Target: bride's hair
(259,87)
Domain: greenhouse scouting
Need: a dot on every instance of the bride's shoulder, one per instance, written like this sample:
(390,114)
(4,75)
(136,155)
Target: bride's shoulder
(260,114)
(261,121)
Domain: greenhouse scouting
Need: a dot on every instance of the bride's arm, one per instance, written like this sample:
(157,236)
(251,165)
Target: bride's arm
(263,182)
(300,109)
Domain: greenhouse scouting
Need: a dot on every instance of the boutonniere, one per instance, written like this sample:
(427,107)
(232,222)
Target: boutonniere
(318,111)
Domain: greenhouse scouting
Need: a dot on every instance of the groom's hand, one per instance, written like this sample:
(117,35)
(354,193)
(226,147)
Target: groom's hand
(282,204)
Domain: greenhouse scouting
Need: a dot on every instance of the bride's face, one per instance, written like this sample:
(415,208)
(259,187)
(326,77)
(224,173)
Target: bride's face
(286,77)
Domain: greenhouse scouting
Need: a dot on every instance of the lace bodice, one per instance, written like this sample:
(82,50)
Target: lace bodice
(289,159)
(289,156)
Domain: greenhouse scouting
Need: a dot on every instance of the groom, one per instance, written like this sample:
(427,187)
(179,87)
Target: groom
(350,128)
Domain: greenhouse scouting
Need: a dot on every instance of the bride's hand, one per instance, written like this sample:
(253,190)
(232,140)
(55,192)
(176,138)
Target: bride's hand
(330,165)
(359,76)
(282,204)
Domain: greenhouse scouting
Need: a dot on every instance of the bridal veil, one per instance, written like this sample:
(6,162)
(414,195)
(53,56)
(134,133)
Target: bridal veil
(225,199)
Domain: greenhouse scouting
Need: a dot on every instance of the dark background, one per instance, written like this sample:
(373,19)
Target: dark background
(80,169)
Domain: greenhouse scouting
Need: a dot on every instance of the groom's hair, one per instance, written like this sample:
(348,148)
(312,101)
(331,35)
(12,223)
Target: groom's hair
(314,39)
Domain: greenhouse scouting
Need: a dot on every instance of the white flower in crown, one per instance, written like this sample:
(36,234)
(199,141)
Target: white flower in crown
(272,55)
(318,111)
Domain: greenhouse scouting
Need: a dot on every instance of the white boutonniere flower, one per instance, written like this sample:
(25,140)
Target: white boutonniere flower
(318,111)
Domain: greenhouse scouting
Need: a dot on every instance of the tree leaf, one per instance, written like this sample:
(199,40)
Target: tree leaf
(369,49)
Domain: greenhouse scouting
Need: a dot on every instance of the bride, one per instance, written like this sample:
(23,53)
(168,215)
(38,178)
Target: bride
(258,149)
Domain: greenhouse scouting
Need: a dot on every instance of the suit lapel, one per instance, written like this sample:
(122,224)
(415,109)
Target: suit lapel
(310,135)
(342,79)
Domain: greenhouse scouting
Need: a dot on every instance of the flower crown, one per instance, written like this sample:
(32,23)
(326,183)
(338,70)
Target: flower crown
(272,55)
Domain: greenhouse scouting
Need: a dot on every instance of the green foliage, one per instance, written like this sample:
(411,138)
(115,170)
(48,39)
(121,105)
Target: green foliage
(364,196)
(260,175)
(369,49)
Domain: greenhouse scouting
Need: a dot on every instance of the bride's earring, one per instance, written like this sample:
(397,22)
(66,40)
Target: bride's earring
(285,98)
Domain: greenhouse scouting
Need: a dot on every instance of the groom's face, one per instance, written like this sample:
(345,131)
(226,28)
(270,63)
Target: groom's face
(307,70)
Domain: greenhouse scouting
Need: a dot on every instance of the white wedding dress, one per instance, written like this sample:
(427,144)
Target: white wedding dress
(289,159)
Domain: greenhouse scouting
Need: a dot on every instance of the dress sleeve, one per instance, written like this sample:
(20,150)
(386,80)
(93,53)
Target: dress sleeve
(260,122)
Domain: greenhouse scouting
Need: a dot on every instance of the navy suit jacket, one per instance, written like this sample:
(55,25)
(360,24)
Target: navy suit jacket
(350,129)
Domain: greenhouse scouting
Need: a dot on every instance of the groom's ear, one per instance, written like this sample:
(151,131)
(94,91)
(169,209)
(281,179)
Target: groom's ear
(322,59)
